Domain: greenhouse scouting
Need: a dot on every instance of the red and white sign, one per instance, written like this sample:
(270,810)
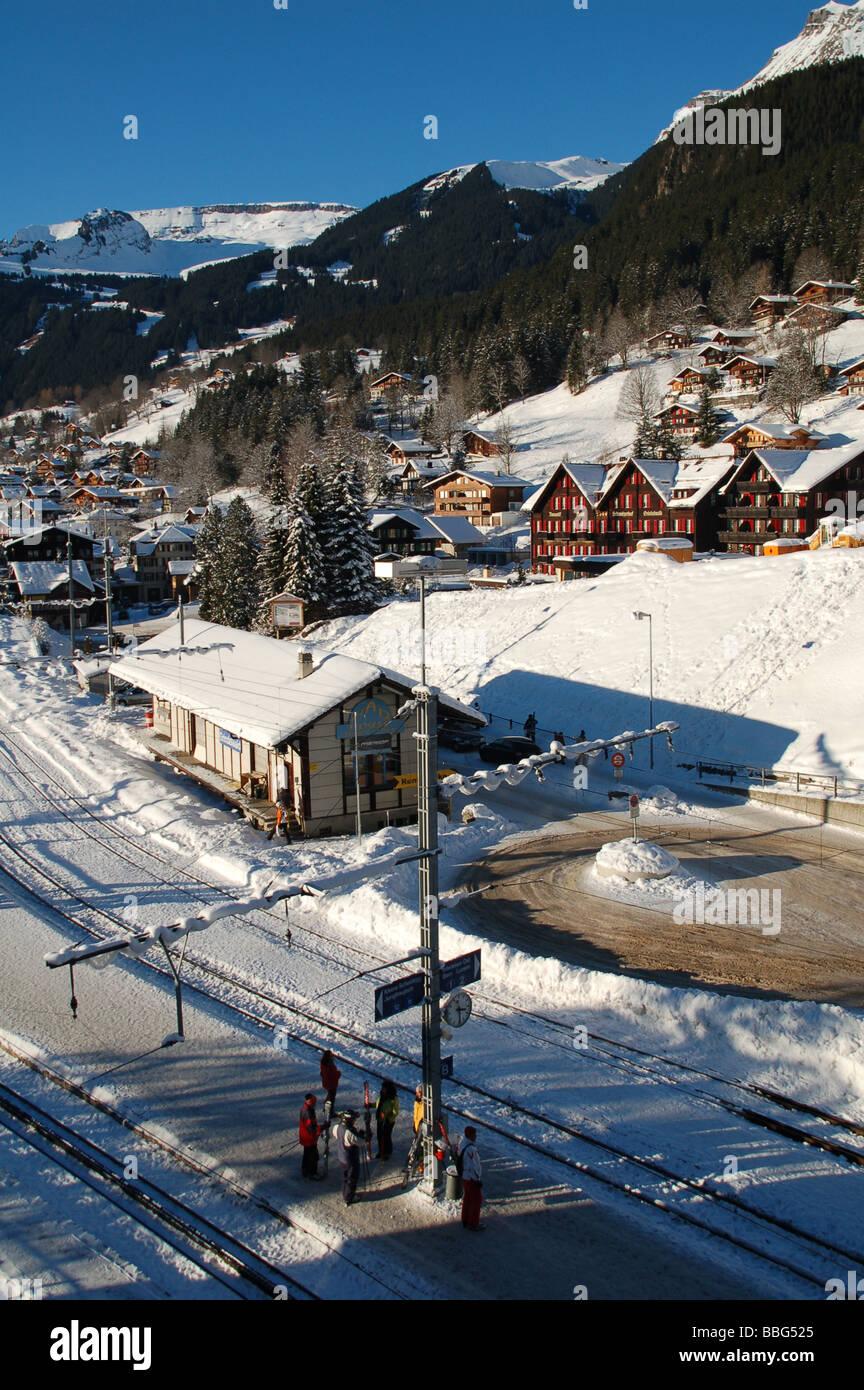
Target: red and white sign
(634,806)
(618,760)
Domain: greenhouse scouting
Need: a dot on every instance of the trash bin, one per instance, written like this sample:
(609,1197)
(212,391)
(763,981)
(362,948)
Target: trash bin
(453,1185)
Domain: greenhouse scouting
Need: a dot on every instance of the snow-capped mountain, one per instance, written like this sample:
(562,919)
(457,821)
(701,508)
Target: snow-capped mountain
(575,172)
(831,33)
(167,241)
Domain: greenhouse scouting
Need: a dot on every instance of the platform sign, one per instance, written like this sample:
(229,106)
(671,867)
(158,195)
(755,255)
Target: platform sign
(374,726)
(398,996)
(230,741)
(456,974)
(446,1068)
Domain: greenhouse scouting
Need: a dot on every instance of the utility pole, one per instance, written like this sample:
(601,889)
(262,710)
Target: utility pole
(109,617)
(427,843)
(357,781)
(71,593)
(639,617)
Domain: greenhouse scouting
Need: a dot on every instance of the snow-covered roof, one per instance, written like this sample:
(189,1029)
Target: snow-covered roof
(455,528)
(37,577)
(798,470)
(481,475)
(825,285)
(772,430)
(699,476)
(590,479)
(408,517)
(146,541)
(250,685)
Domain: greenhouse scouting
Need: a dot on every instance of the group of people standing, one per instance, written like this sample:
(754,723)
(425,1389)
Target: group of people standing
(348,1140)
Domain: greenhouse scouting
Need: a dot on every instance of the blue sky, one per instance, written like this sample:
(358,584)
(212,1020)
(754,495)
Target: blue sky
(238,101)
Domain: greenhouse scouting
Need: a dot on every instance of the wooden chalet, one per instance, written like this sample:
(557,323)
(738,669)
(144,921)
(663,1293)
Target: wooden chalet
(750,373)
(784,492)
(853,379)
(823,291)
(772,436)
(479,444)
(679,419)
(477,494)
(668,340)
(563,515)
(689,381)
(736,338)
(768,309)
(403,531)
(249,716)
(390,381)
(714,354)
(819,317)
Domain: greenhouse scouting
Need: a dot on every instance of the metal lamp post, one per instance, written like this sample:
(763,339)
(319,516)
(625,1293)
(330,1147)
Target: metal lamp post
(639,617)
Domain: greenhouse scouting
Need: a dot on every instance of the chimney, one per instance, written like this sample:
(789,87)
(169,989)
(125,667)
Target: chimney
(304,663)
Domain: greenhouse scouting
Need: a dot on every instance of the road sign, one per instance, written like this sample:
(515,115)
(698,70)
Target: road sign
(456,974)
(398,996)
(634,806)
(446,1067)
(618,760)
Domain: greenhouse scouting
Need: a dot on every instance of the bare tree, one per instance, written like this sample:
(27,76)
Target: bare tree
(639,399)
(620,335)
(506,444)
(795,380)
(447,422)
(812,264)
(521,375)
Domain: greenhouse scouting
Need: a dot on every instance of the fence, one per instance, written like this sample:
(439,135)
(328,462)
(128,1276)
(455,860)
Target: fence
(772,776)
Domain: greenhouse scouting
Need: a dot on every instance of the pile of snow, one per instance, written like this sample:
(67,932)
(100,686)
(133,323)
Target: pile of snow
(634,860)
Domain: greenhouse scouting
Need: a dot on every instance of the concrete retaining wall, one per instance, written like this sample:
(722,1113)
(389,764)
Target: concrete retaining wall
(828,809)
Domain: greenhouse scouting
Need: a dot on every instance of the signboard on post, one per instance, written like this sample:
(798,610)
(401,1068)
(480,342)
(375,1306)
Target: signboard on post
(374,724)
(446,1068)
(288,614)
(617,761)
(456,974)
(634,814)
(398,996)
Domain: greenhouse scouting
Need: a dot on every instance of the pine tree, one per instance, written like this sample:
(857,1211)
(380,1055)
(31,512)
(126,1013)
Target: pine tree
(237,569)
(708,421)
(348,546)
(273,471)
(206,570)
(275,554)
(306,572)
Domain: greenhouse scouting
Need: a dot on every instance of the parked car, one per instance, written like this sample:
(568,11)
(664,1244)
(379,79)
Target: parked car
(508,750)
(460,736)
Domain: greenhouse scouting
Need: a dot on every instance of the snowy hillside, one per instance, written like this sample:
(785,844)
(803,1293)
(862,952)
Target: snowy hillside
(166,241)
(587,426)
(757,658)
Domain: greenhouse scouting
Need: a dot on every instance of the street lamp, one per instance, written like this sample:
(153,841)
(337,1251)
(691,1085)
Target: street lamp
(638,617)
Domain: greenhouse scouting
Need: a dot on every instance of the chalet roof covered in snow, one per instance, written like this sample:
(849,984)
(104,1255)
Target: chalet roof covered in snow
(588,477)
(479,475)
(146,541)
(250,685)
(455,528)
(798,470)
(37,577)
(420,524)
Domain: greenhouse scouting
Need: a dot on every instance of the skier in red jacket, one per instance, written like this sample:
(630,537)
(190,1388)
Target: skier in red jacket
(330,1076)
(309,1132)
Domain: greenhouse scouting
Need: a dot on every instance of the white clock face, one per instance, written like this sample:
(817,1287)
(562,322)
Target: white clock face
(457,1010)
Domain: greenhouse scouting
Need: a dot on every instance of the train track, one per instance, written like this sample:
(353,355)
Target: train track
(812,1248)
(217,1253)
(601,1048)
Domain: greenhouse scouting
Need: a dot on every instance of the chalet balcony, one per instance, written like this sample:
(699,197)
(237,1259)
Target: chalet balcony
(761,513)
